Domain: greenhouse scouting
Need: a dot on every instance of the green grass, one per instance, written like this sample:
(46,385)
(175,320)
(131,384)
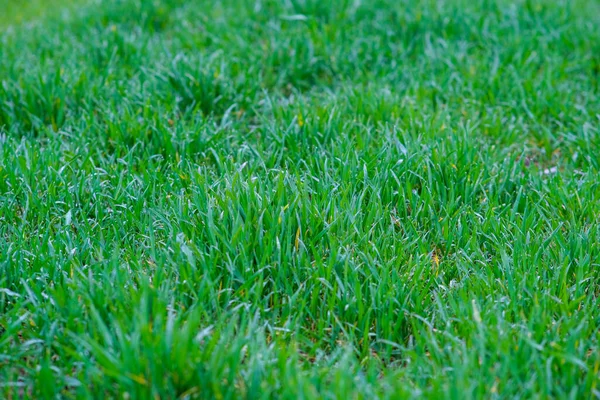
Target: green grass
(300,199)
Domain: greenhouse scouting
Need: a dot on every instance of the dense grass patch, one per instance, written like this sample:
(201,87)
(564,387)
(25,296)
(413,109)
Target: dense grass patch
(300,199)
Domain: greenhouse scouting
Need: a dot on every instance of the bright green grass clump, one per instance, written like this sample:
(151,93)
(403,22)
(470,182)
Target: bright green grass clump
(300,199)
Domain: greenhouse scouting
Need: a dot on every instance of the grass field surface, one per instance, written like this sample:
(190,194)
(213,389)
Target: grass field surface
(300,199)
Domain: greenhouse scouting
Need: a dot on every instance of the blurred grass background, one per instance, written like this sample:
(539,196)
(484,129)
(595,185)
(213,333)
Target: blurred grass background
(15,12)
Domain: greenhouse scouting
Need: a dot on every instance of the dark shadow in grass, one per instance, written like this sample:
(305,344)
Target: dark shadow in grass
(31,106)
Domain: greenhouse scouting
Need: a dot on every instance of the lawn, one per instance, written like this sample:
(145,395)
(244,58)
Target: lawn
(300,199)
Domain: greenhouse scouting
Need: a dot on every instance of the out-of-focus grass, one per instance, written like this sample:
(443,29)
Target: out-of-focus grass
(15,12)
